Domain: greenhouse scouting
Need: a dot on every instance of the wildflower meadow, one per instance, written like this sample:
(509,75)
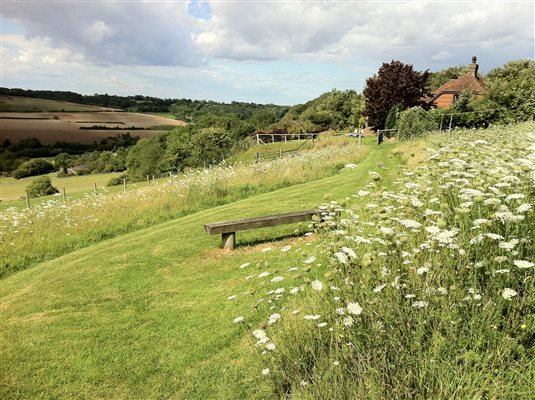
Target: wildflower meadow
(421,289)
(54,228)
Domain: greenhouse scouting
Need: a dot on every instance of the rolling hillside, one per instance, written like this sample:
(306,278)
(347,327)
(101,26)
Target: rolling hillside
(45,120)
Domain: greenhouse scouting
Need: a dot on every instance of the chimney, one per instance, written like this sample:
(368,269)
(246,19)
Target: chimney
(473,67)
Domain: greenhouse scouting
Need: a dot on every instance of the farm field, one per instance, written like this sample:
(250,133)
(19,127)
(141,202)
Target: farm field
(13,189)
(21,104)
(53,127)
(146,314)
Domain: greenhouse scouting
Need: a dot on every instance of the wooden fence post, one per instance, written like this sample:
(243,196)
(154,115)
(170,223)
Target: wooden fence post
(441,120)
(451,120)
(28,200)
(64,196)
(124,185)
(95,186)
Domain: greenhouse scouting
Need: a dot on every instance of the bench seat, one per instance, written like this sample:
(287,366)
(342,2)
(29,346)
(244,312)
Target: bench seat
(228,229)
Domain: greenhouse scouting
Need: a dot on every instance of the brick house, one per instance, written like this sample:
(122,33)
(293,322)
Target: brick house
(447,94)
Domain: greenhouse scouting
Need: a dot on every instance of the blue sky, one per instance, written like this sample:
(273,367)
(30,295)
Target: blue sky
(283,52)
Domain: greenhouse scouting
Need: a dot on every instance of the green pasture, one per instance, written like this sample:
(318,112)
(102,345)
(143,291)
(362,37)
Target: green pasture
(146,315)
(13,189)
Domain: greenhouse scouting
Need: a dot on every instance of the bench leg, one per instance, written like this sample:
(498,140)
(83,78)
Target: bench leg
(228,240)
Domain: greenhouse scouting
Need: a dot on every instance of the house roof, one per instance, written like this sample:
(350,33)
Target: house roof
(467,81)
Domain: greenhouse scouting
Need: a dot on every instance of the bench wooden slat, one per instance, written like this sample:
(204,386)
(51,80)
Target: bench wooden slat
(258,222)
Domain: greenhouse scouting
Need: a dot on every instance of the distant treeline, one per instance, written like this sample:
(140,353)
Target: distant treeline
(12,155)
(184,109)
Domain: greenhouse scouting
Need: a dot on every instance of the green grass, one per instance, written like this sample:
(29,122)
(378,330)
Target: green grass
(146,315)
(13,189)
(249,155)
(29,104)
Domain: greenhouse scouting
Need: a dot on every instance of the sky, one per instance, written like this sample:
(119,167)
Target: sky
(282,52)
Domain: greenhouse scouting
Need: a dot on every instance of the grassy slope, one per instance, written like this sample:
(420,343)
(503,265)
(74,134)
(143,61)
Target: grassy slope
(145,315)
(13,189)
(30,104)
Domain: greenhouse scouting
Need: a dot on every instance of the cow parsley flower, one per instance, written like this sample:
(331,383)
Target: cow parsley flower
(312,317)
(317,285)
(265,371)
(237,320)
(422,270)
(354,308)
(419,304)
(273,318)
(310,260)
(277,279)
(523,264)
(508,293)
(348,321)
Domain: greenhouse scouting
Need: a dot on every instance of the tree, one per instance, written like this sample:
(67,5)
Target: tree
(394,83)
(41,186)
(33,167)
(63,161)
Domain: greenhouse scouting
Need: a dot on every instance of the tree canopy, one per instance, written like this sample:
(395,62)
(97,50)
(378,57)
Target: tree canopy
(395,83)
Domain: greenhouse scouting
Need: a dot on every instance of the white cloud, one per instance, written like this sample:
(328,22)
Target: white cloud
(442,55)
(113,33)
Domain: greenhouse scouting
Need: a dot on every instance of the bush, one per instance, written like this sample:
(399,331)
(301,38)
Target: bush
(41,186)
(414,122)
(117,180)
(33,167)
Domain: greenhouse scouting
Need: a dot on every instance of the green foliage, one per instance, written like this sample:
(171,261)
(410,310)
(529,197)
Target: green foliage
(41,186)
(34,167)
(439,78)
(332,110)
(393,116)
(414,122)
(118,180)
(395,83)
(63,161)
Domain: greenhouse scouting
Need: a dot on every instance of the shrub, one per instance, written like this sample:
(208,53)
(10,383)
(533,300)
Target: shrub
(33,167)
(41,186)
(117,180)
(415,122)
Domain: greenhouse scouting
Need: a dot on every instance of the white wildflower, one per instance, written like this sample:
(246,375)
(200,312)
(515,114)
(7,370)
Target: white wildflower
(348,321)
(354,308)
(422,270)
(273,318)
(317,285)
(341,257)
(523,264)
(310,260)
(285,249)
(322,324)
(232,297)
(237,320)
(277,279)
(265,371)
(419,304)
(245,265)
(312,317)
(350,252)
(409,223)
(270,346)
(379,288)
(508,293)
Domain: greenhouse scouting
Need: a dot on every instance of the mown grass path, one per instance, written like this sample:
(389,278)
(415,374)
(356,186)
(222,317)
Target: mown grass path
(146,315)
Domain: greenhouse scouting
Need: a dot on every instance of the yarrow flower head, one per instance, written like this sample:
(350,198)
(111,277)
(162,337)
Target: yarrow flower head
(237,320)
(317,285)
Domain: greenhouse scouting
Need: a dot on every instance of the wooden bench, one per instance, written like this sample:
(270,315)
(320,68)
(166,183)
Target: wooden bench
(228,229)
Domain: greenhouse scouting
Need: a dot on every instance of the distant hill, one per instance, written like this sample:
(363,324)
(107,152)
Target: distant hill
(53,121)
(32,104)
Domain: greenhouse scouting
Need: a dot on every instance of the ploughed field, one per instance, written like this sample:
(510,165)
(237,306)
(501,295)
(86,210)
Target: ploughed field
(76,123)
